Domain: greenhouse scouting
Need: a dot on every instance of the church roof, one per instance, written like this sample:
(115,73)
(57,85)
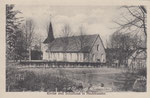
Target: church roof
(50,36)
(82,43)
(48,40)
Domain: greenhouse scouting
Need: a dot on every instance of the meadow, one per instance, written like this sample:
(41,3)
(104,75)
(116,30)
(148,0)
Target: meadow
(69,79)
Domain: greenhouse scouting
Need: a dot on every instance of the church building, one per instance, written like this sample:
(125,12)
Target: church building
(83,48)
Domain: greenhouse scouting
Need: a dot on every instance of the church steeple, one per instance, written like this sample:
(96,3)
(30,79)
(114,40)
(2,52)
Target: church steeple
(50,35)
(50,32)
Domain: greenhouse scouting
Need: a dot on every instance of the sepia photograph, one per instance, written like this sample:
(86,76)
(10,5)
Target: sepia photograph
(76,49)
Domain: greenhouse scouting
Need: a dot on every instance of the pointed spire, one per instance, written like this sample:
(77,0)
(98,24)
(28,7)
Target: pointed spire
(50,34)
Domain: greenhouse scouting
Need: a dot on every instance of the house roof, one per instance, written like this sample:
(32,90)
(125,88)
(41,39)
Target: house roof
(82,43)
(138,54)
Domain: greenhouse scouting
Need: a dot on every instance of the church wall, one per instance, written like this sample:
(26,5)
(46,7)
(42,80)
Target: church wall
(71,57)
(97,53)
(44,48)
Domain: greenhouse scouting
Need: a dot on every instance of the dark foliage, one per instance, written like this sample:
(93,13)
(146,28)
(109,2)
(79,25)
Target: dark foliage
(142,72)
(28,81)
(126,81)
(36,55)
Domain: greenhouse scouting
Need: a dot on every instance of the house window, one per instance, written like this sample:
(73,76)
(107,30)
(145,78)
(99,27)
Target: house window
(54,55)
(81,57)
(102,57)
(65,56)
(98,60)
(49,55)
(93,57)
(58,55)
(84,56)
(70,55)
(77,56)
(98,47)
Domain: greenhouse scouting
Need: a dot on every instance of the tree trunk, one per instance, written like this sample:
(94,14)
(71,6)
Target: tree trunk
(29,53)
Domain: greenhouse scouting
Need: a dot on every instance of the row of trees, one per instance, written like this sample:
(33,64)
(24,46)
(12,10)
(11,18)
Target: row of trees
(19,35)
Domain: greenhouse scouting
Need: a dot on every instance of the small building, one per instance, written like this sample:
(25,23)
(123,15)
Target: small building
(36,53)
(137,59)
(83,48)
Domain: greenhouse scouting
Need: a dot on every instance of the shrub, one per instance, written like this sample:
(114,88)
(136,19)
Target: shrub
(52,82)
(21,80)
(140,85)
(32,82)
(142,72)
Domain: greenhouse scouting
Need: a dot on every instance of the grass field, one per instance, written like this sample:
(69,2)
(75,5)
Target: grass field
(86,76)
(114,78)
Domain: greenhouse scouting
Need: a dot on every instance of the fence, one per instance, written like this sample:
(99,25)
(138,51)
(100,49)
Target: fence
(53,64)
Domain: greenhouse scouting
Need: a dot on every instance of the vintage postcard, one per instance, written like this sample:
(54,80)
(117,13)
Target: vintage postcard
(75,48)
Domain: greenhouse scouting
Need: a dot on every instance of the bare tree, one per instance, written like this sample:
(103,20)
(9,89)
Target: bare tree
(124,40)
(82,37)
(37,40)
(80,40)
(134,20)
(66,32)
(123,44)
(29,27)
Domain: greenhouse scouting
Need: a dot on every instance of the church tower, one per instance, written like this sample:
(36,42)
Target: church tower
(49,39)
(50,35)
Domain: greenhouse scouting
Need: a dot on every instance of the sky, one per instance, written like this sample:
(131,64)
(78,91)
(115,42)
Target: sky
(94,19)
